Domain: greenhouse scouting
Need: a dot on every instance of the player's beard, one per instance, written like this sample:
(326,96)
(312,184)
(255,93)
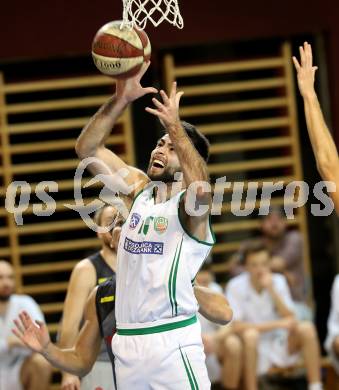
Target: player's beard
(5,297)
(107,238)
(167,176)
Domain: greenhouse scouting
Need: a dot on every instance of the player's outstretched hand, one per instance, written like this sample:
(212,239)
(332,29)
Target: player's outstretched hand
(130,89)
(168,110)
(33,334)
(305,70)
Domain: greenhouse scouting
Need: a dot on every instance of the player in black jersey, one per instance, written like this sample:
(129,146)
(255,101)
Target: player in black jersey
(87,274)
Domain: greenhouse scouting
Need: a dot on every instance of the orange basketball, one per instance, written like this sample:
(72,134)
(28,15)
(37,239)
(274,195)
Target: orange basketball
(118,52)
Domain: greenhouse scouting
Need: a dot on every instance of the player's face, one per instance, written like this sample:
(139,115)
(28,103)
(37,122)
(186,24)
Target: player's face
(257,264)
(273,226)
(117,231)
(164,162)
(107,217)
(6,281)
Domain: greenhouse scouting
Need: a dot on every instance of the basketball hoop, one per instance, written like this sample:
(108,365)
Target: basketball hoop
(138,12)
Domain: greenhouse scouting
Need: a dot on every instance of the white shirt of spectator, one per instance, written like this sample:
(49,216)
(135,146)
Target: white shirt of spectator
(251,306)
(16,304)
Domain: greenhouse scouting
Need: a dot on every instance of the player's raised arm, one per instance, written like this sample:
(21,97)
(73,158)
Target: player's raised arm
(192,164)
(77,360)
(322,142)
(91,142)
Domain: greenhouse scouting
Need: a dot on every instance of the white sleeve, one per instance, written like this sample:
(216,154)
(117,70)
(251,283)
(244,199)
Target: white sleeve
(3,346)
(32,309)
(333,319)
(234,299)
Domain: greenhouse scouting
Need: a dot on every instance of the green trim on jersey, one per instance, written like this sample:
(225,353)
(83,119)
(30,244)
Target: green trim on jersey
(172,282)
(136,196)
(189,371)
(158,328)
(189,234)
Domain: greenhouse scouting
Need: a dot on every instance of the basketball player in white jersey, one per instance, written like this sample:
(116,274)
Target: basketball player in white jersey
(163,244)
(99,322)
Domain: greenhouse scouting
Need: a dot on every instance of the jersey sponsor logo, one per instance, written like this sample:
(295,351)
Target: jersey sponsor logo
(160,224)
(144,247)
(135,218)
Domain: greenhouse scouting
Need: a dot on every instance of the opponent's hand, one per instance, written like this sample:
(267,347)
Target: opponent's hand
(70,382)
(33,334)
(168,110)
(305,70)
(130,89)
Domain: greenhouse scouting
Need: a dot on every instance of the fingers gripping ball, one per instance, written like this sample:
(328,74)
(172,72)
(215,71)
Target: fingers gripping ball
(120,53)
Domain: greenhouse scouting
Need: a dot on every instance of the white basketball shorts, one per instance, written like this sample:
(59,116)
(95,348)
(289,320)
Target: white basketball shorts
(169,356)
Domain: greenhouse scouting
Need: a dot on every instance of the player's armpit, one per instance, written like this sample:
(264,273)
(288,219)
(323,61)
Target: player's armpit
(115,174)
(196,226)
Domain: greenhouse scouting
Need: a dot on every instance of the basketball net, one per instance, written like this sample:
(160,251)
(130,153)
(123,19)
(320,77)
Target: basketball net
(139,12)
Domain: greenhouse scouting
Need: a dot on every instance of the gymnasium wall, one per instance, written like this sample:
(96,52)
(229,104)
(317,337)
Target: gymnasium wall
(54,28)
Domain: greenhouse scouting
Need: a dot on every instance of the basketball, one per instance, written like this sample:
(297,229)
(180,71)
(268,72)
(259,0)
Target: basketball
(120,52)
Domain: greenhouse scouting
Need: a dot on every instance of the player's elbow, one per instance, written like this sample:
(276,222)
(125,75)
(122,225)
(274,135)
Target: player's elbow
(84,369)
(84,150)
(226,315)
(223,313)
(327,165)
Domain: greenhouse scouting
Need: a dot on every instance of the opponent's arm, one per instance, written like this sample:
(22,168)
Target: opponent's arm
(324,148)
(91,142)
(81,283)
(193,166)
(213,306)
(77,360)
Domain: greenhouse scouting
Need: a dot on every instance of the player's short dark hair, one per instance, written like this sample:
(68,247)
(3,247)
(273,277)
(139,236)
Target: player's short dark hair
(98,214)
(253,247)
(199,141)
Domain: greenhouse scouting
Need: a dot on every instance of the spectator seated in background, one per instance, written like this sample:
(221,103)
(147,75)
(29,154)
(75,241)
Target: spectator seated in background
(286,250)
(264,323)
(213,335)
(19,367)
(332,339)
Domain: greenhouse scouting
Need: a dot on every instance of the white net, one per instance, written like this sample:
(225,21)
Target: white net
(139,12)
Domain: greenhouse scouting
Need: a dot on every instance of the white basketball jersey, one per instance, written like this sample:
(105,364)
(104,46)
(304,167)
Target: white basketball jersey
(157,263)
